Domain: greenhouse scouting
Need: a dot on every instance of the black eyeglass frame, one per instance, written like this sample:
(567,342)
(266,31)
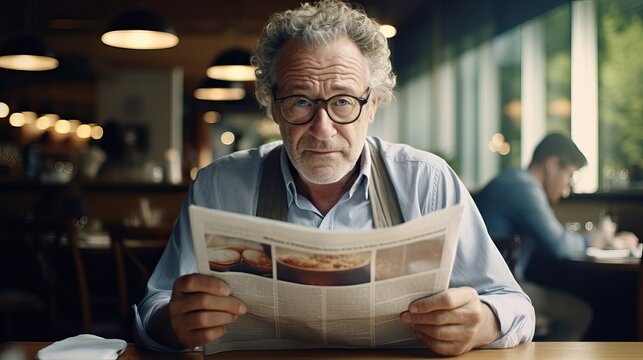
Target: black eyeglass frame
(324,104)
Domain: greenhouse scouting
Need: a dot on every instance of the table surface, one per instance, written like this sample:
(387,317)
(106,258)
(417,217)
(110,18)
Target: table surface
(621,264)
(535,350)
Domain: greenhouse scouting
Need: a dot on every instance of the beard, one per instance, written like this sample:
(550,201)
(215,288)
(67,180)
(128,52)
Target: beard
(323,169)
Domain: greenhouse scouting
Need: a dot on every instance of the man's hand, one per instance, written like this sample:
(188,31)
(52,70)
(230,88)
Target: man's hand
(620,240)
(452,322)
(625,240)
(199,308)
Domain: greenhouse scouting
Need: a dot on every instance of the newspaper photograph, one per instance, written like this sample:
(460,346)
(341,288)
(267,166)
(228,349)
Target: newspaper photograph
(311,288)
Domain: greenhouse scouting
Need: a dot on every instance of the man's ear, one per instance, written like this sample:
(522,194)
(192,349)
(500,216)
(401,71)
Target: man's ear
(552,163)
(373,108)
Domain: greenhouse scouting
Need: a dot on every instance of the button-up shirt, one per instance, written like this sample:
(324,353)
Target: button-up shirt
(515,203)
(424,183)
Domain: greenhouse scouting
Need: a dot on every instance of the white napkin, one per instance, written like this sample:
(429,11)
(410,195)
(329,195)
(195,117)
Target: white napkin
(83,347)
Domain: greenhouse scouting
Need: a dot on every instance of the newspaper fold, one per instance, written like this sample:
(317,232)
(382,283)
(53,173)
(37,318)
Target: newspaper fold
(311,288)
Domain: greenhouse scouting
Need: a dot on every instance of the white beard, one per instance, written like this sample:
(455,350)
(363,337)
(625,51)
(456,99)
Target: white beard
(323,171)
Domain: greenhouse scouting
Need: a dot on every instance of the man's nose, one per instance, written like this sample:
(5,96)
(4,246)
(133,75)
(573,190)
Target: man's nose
(322,126)
(566,191)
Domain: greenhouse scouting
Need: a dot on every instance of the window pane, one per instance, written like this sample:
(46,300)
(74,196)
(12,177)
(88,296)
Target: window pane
(507,48)
(557,25)
(620,93)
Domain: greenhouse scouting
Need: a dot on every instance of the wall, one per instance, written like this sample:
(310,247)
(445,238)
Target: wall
(151,98)
(627,208)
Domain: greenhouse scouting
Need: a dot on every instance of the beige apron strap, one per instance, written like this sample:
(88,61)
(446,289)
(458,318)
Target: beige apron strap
(272,202)
(384,203)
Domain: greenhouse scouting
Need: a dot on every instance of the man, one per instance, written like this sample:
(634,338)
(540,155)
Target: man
(518,202)
(323,70)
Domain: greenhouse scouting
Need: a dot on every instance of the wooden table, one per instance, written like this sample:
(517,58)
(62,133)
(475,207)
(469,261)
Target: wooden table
(609,286)
(627,266)
(616,264)
(537,350)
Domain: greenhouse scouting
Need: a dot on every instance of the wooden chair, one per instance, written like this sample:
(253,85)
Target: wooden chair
(45,237)
(508,247)
(127,242)
(61,230)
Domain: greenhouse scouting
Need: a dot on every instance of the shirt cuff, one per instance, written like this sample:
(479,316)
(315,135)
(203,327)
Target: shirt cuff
(142,337)
(516,317)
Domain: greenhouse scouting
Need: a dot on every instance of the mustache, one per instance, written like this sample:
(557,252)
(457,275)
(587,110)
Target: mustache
(310,143)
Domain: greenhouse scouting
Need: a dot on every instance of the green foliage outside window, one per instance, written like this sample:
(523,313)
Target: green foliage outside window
(621,92)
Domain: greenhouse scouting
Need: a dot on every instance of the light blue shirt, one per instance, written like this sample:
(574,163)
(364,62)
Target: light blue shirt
(423,182)
(515,203)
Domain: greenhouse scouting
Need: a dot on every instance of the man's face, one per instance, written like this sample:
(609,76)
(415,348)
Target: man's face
(322,151)
(557,180)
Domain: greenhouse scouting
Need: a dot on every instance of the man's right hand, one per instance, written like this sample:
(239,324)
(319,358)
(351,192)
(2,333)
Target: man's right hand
(200,307)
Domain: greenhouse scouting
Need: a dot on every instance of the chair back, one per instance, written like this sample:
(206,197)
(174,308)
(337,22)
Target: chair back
(45,236)
(127,243)
(61,229)
(508,247)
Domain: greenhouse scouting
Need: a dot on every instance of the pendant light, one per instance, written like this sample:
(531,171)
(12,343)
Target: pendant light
(139,29)
(28,53)
(388,30)
(232,65)
(219,90)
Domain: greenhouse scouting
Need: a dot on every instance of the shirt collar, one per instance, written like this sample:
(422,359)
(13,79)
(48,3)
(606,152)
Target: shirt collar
(360,184)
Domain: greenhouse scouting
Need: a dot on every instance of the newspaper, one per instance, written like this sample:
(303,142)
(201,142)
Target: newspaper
(311,288)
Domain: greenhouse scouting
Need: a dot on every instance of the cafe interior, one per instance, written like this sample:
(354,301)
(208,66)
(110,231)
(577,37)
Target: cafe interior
(100,139)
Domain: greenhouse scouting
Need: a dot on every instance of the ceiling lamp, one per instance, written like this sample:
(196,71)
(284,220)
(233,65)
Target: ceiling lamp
(232,65)
(28,53)
(219,90)
(388,30)
(139,29)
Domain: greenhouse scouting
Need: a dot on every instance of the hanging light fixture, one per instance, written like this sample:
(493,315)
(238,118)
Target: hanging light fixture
(28,53)
(232,65)
(139,29)
(388,30)
(219,90)
(25,51)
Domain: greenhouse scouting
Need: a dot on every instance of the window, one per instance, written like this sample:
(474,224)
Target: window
(620,45)
(576,69)
(507,50)
(557,26)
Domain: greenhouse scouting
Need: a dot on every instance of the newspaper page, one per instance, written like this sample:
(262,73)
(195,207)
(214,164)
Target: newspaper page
(311,288)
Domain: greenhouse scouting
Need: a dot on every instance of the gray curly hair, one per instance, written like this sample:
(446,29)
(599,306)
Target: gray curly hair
(317,24)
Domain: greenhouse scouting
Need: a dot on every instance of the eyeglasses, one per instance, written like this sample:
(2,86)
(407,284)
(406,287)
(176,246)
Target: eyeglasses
(342,109)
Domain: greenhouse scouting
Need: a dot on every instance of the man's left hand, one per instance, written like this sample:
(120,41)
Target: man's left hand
(452,322)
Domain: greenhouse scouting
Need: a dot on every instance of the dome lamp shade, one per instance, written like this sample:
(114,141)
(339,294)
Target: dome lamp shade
(219,90)
(232,65)
(28,53)
(139,29)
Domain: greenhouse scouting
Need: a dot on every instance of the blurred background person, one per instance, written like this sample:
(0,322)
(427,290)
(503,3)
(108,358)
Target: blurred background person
(518,202)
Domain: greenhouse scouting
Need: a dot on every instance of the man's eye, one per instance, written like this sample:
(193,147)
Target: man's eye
(342,101)
(300,102)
